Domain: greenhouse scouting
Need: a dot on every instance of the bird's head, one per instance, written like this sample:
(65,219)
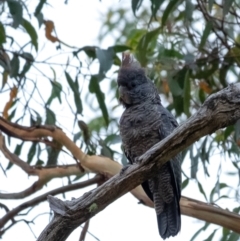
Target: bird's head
(134,86)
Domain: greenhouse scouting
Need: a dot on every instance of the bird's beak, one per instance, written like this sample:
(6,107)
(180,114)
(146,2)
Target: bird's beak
(120,89)
(122,92)
(123,95)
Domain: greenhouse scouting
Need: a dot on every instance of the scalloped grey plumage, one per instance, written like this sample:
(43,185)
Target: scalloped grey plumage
(144,123)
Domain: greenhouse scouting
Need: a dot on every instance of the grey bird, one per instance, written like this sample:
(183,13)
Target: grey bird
(144,123)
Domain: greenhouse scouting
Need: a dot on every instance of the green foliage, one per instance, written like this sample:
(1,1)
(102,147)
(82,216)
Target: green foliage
(226,6)
(144,47)
(56,93)
(205,34)
(31,32)
(169,9)
(155,6)
(31,153)
(15,64)
(16,10)
(53,153)
(2,34)
(39,7)
(136,5)
(199,231)
(50,117)
(190,49)
(105,58)
(94,87)
(75,89)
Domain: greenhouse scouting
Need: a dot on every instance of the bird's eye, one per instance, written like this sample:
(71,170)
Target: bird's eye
(133,84)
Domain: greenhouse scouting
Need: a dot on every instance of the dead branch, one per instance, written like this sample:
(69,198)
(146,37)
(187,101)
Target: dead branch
(218,111)
(33,202)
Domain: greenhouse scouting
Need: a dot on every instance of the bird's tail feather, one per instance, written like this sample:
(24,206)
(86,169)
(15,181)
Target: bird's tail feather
(169,221)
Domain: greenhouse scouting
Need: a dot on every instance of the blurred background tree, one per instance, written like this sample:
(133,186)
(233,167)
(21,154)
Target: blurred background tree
(190,50)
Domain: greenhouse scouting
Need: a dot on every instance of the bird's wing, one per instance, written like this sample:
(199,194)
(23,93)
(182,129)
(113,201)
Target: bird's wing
(145,185)
(168,124)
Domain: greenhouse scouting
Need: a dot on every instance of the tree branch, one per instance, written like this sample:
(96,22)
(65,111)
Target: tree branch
(38,133)
(94,163)
(44,174)
(14,159)
(210,213)
(33,202)
(41,132)
(101,164)
(84,231)
(218,111)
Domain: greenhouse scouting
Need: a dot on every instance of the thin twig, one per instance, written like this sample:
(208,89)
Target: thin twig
(43,197)
(84,231)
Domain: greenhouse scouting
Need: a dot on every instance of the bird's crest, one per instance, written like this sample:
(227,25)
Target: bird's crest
(128,61)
